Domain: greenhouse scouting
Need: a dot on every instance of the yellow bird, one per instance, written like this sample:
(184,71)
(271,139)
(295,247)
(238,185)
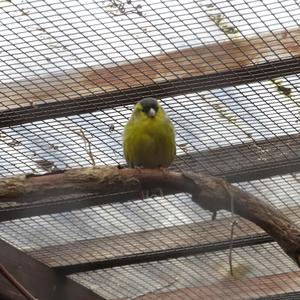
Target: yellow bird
(149,136)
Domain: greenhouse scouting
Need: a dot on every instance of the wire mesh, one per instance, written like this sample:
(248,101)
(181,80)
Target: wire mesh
(89,61)
(202,122)
(202,272)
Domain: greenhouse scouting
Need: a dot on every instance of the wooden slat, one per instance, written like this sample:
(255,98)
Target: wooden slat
(40,280)
(162,255)
(89,87)
(281,296)
(249,288)
(248,161)
(140,242)
(74,256)
(202,60)
(171,88)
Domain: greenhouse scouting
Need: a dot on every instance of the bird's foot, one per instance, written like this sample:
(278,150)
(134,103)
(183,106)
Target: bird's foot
(164,170)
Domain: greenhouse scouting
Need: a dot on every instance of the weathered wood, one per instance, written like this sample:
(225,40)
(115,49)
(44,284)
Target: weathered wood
(202,60)
(170,88)
(157,240)
(209,192)
(248,161)
(125,83)
(43,282)
(248,288)
(281,296)
(142,242)
(154,256)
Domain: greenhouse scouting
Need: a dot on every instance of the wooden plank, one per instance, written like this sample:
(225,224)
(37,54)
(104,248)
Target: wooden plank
(154,256)
(282,296)
(160,244)
(248,288)
(171,88)
(88,89)
(202,60)
(43,282)
(248,161)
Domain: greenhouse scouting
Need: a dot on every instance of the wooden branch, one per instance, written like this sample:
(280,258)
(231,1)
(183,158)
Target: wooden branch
(4,272)
(236,163)
(8,292)
(210,192)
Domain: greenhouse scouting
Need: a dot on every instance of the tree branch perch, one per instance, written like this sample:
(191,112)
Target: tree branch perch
(210,193)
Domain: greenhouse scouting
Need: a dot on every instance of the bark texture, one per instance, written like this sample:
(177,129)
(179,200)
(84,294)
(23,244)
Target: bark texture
(210,193)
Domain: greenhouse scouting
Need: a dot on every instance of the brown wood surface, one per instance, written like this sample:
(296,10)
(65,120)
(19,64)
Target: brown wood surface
(202,60)
(43,282)
(131,244)
(141,242)
(249,161)
(248,288)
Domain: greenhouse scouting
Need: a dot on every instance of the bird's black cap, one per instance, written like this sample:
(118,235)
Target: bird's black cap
(148,103)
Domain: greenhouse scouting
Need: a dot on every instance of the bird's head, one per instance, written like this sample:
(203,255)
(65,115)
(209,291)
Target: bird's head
(148,107)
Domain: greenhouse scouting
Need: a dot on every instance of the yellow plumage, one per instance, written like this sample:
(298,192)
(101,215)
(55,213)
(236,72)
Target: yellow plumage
(149,136)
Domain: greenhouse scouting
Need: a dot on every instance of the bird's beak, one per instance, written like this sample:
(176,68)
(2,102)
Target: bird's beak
(151,112)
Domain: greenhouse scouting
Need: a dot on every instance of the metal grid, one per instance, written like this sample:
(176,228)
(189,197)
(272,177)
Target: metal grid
(202,270)
(52,62)
(203,121)
(138,216)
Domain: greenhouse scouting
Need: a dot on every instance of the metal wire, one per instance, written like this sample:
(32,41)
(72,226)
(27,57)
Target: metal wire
(202,270)
(55,53)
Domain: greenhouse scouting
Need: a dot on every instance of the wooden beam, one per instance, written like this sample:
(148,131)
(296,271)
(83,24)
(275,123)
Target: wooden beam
(189,70)
(75,263)
(248,288)
(92,103)
(154,256)
(237,163)
(282,296)
(245,162)
(43,282)
(153,245)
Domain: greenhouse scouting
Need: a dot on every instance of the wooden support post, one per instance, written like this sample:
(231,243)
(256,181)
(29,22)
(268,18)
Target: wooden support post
(40,280)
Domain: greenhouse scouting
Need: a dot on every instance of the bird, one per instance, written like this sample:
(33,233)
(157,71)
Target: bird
(149,136)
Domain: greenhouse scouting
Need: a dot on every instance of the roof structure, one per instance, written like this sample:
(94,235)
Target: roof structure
(227,74)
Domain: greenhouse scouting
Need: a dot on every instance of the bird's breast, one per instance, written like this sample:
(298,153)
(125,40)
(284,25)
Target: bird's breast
(151,144)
